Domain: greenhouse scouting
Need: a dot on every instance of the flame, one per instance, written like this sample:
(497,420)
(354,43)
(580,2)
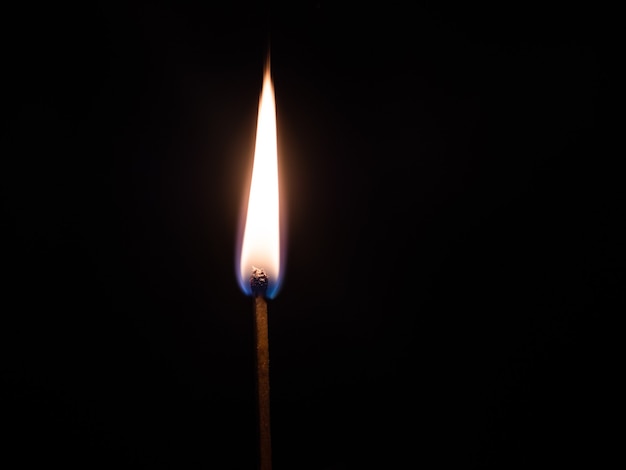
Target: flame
(260,245)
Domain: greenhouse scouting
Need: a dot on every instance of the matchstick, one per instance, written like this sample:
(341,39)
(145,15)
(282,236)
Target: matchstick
(258,282)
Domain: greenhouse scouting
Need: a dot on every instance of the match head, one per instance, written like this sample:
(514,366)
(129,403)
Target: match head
(258,281)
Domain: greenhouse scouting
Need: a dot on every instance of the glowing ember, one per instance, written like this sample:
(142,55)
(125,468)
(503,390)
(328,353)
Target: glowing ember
(260,246)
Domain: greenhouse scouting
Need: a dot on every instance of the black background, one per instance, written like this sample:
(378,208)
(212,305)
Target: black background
(451,235)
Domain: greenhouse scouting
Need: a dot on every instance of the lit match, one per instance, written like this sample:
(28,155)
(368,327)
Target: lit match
(260,258)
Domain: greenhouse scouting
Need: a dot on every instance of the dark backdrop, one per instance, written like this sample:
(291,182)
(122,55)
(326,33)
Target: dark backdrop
(451,235)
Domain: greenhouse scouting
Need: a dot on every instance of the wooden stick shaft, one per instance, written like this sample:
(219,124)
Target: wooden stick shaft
(263,382)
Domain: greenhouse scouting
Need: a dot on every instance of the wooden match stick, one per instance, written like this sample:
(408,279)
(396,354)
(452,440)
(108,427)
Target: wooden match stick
(258,281)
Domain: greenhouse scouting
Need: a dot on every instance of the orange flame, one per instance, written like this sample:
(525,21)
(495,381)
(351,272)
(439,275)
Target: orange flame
(260,247)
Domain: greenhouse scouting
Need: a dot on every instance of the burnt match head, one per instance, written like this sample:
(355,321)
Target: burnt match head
(258,281)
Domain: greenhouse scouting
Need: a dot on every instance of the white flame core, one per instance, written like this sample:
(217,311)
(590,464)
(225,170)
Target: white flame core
(261,236)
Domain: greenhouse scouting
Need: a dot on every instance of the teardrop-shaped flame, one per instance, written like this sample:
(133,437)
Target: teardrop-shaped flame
(260,243)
